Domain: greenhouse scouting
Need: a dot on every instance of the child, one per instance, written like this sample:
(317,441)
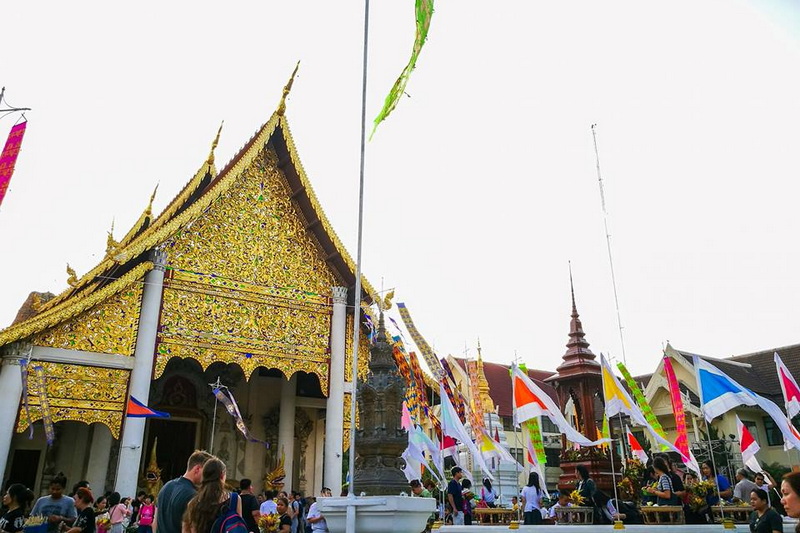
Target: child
(563,501)
(146,513)
(514,504)
(466,491)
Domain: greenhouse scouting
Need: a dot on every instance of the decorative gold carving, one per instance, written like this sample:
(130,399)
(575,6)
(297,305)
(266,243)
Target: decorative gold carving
(385,303)
(80,393)
(109,327)
(348,402)
(72,280)
(286,89)
(72,308)
(363,353)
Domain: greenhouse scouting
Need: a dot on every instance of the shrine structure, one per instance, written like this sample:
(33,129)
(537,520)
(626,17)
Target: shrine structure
(579,385)
(240,279)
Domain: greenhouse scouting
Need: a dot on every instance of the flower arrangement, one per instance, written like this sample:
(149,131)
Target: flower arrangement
(630,487)
(576,499)
(698,492)
(103,523)
(268,523)
(35,524)
(583,454)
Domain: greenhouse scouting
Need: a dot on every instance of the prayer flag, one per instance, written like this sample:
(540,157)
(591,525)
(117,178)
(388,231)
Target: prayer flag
(719,394)
(424,11)
(618,401)
(137,409)
(791,391)
(641,401)
(748,447)
(8,158)
(682,441)
(492,449)
(453,427)
(531,401)
(405,418)
(636,448)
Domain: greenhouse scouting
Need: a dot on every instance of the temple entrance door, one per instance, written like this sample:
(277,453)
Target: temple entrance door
(177,439)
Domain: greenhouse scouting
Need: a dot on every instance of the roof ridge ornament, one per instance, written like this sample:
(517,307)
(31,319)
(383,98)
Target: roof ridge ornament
(286,89)
(111,244)
(72,280)
(149,209)
(210,160)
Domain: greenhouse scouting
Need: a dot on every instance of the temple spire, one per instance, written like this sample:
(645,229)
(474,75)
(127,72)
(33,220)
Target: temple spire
(577,347)
(483,384)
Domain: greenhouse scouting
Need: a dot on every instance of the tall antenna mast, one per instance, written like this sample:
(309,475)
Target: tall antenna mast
(608,242)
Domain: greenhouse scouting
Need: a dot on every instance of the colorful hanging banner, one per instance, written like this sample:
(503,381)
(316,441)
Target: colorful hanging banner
(229,402)
(454,393)
(475,395)
(8,159)
(534,429)
(642,403)
(44,405)
(682,443)
(427,353)
(26,396)
(424,11)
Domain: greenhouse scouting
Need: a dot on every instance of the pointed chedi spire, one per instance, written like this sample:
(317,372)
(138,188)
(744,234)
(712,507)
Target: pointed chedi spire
(483,384)
(578,353)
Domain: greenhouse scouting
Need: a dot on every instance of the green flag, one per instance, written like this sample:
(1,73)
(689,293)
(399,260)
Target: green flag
(424,12)
(642,402)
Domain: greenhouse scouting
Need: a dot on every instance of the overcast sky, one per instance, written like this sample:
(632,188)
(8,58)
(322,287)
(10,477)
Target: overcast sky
(480,187)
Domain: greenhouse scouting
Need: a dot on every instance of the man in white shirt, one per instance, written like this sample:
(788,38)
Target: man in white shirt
(314,516)
(269,506)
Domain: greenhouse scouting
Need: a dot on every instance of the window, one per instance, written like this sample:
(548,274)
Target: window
(508,423)
(516,453)
(548,426)
(774,437)
(553,456)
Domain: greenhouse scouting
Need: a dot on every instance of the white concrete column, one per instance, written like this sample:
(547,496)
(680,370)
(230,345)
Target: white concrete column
(334,412)
(99,455)
(10,394)
(130,452)
(286,428)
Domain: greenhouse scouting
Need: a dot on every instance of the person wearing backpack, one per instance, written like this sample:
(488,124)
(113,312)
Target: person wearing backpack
(213,509)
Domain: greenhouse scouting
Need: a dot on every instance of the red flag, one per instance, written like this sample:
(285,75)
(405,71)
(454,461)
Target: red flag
(9,156)
(496,435)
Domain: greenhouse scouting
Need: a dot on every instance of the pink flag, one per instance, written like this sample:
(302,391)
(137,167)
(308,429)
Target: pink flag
(677,407)
(9,156)
(791,392)
(636,448)
(748,446)
(405,417)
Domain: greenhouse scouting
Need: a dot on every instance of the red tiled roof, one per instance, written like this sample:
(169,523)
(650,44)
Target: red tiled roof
(500,384)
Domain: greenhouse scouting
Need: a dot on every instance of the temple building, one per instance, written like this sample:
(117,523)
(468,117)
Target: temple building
(240,282)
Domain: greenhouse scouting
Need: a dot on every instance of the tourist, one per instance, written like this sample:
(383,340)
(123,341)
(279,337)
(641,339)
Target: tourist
(314,516)
(431,487)
(146,515)
(250,507)
(285,521)
(586,486)
(80,484)
(210,501)
(85,521)
(763,519)
(15,501)
(297,512)
(676,476)
(117,513)
(269,506)
(56,507)
(790,488)
(563,502)
(488,494)
(455,497)
(532,501)
(743,487)
(663,491)
(100,506)
(136,505)
(466,491)
(723,485)
(418,490)
(176,493)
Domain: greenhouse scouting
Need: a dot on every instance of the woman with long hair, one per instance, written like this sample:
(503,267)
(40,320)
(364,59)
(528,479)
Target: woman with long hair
(722,483)
(790,488)
(210,501)
(285,524)
(117,511)
(663,491)
(532,501)
(15,500)
(763,519)
(488,494)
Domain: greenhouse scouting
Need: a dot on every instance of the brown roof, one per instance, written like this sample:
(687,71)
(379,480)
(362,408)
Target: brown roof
(500,384)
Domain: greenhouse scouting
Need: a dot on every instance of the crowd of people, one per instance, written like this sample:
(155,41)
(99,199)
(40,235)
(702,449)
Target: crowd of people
(197,502)
(664,485)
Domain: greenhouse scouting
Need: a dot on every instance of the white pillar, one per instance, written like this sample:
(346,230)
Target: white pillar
(319,446)
(130,451)
(10,394)
(99,455)
(286,428)
(334,413)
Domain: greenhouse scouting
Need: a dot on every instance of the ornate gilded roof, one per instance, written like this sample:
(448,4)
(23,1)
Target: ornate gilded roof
(202,190)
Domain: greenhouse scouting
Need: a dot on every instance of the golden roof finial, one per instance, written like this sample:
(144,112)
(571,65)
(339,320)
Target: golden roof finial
(483,384)
(111,244)
(214,144)
(153,465)
(152,197)
(286,89)
(72,280)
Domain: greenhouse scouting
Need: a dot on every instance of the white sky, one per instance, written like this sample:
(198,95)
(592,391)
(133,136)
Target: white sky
(480,187)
